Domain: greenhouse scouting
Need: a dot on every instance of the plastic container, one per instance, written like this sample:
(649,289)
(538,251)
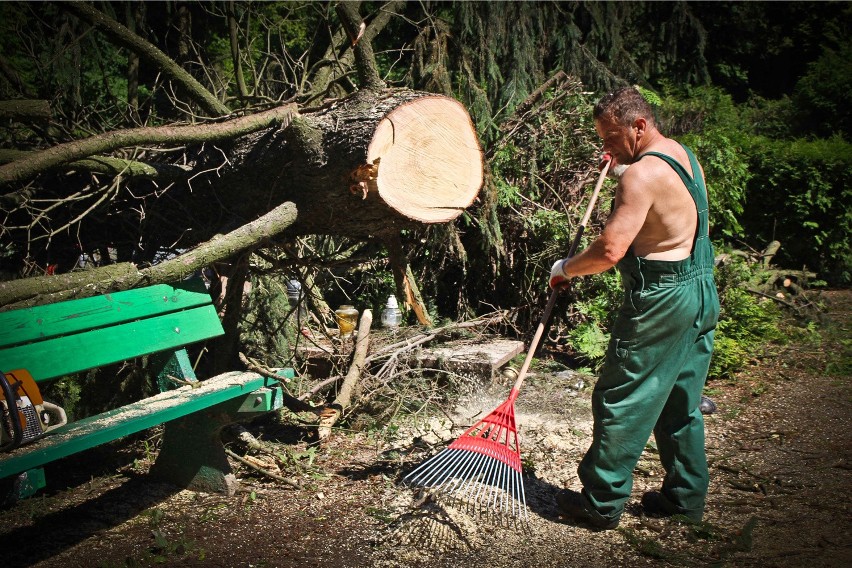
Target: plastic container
(295,296)
(347,319)
(391,316)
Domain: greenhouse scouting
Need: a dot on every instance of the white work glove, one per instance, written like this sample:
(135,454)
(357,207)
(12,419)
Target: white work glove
(557,275)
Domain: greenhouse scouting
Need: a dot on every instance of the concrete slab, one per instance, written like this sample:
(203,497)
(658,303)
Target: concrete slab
(481,357)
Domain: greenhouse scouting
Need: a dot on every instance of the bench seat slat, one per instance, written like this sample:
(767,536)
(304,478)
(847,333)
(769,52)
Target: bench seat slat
(82,351)
(52,320)
(90,432)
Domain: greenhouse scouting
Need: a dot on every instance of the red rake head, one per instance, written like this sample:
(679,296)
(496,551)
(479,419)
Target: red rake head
(482,468)
(495,436)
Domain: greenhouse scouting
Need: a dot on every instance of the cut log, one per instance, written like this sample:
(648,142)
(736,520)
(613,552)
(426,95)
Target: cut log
(363,167)
(430,159)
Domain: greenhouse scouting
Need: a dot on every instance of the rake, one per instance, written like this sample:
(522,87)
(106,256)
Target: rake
(482,468)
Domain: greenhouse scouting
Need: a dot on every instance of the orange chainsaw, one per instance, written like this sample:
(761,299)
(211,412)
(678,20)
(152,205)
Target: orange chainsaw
(24,415)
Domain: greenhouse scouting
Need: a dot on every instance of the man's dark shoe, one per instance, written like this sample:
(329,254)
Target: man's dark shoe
(652,504)
(573,504)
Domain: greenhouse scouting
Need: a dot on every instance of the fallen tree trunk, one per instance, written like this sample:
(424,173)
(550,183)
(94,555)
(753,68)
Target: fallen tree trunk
(366,166)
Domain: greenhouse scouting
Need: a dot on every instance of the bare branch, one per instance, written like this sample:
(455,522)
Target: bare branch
(27,167)
(344,397)
(124,276)
(235,49)
(365,59)
(107,165)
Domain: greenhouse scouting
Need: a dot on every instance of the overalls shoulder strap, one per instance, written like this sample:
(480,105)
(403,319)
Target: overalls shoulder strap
(692,182)
(695,185)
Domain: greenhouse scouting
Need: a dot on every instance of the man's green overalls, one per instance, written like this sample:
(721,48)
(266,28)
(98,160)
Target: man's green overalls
(654,372)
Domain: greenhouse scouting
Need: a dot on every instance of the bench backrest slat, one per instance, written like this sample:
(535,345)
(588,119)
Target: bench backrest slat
(44,322)
(82,351)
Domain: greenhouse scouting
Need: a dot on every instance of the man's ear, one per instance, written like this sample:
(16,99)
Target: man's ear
(640,124)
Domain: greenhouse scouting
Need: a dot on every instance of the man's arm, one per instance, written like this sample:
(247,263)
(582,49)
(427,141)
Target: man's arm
(633,200)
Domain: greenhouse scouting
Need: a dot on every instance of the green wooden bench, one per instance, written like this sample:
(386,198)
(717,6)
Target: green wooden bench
(70,337)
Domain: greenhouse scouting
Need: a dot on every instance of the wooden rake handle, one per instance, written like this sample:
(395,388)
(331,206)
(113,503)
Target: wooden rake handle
(552,300)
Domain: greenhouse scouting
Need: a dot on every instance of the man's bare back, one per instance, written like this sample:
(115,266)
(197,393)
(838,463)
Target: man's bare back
(669,227)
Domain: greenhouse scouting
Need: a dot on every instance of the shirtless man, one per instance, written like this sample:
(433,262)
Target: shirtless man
(662,338)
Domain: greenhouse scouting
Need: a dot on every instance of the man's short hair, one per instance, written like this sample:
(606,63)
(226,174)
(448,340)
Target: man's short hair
(623,107)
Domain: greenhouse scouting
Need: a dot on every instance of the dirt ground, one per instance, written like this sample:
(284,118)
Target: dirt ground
(779,451)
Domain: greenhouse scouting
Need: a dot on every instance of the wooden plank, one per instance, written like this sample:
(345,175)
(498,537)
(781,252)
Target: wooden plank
(53,320)
(82,351)
(114,424)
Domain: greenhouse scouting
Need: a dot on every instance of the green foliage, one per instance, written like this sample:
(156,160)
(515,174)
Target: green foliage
(822,94)
(799,194)
(598,298)
(771,118)
(726,174)
(64,392)
(746,321)
(270,324)
(589,339)
(768,188)
(706,120)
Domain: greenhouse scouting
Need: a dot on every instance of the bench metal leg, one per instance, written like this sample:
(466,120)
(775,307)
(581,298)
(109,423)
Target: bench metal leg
(192,453)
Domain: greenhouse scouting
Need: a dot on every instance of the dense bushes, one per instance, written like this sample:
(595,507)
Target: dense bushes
(799,194)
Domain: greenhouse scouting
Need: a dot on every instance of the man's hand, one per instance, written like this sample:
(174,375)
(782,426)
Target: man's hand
(557,275)
(607,157)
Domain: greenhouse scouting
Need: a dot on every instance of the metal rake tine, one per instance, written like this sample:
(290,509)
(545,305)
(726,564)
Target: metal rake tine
(491,500)
(517,490)
(474,475)
(497,487)
(487,478)
(469,472)
(426,467)
(461,467)
(417,471)
(435,470)
(452,475)
(524,497)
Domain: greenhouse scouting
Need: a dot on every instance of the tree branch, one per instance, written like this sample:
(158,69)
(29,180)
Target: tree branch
(235,49)
(23,169)
(365,59)
(344,397)
(30,292)
(125,38)
(108,165)
(323,77)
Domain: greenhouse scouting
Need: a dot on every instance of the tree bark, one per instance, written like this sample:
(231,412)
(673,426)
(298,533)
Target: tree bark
(233,37)
(365,167)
